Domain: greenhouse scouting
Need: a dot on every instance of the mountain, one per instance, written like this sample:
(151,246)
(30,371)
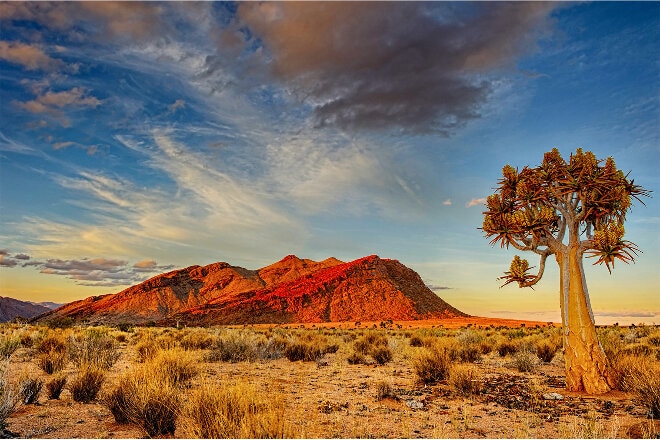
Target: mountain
(292,290)
(48,304)
(11,308)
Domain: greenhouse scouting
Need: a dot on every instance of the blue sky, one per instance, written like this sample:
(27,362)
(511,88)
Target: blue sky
(140,137)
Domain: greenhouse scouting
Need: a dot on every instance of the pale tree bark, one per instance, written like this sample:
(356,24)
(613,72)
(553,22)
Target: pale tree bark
(585,361)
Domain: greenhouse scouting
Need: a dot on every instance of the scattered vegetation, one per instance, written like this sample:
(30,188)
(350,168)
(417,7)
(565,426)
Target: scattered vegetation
(163,386)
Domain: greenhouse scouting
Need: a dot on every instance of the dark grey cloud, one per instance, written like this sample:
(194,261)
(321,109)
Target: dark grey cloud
(10,261)
(412,66)
(434,287)
(7,262)
(99,272)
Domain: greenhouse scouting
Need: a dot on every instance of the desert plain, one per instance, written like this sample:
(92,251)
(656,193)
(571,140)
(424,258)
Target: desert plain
(460,378)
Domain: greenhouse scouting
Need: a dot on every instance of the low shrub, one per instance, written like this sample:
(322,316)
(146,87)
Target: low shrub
(506,347)
(29,389)
(303,351)
(146,349)
(486,346)
(176,366)
(469,353)
(243,346)
(197,340)
(546,350)
(432,365)
(416,341)
(381,355)
(654,339)
(9,399)
(119,400)
(646,384)
(52,353)
(86,383)
(52,362)
(235,411)
(369,342)
(356,358)
(8,345)
(52,342)
(464,379)
(27,340)
(93,347)
(146,398)
(525,361)
(55,386)
(384,390)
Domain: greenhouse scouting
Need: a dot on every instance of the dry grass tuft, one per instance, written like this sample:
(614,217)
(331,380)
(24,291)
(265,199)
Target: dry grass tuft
(8,345)
(432,365)
(464,379)
(55,386)
(29,389)
(86,384)
(384,390)
(176,365)
(546,350)
(235,411)
(93,347)
(147,397)
(9,398)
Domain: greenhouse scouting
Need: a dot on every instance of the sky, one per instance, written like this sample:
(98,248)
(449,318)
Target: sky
(137,138)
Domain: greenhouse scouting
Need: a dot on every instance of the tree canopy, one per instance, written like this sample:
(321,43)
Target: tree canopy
(546,209)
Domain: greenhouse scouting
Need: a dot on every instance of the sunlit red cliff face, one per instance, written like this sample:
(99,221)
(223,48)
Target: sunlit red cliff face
(292,290)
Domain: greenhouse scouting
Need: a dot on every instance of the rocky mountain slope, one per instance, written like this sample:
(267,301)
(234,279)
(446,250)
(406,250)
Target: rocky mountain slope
(11,308)
(292,290)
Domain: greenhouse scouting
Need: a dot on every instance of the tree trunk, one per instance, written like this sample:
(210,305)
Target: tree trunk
(585,360)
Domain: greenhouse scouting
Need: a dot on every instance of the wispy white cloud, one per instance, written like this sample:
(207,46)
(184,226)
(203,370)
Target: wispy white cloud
(447,202)
(476,202)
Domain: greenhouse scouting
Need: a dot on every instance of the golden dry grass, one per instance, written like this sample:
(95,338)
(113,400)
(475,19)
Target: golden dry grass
(433,382)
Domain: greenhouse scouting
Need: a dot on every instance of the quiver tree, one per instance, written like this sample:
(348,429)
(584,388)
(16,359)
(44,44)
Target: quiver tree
(566,209)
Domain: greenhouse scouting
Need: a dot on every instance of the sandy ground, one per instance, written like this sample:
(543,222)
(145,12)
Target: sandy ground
(332,398)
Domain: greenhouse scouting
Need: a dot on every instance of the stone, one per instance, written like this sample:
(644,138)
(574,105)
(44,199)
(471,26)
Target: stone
(553,396)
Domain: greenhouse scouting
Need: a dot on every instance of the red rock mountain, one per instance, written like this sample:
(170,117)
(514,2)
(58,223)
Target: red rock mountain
(290,291)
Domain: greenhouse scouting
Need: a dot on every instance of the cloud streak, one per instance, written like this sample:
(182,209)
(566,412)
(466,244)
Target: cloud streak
(99,271)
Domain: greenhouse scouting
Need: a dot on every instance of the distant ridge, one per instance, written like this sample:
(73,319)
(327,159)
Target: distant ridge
(11,308)
(293,290)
